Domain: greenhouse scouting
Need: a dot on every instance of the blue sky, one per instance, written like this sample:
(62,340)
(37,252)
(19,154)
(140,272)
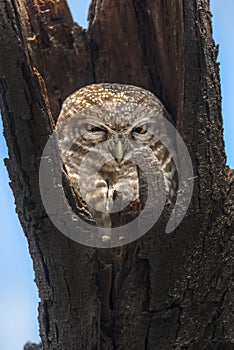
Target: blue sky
(18,294)
(223,31)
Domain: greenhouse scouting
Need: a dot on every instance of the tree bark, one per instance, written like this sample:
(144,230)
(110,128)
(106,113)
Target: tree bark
(164,291)
(31,346)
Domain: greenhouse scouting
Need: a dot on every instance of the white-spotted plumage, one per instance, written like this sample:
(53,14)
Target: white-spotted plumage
(106,121)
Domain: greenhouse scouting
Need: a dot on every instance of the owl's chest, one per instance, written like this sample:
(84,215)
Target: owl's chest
(125,171)
(122,180)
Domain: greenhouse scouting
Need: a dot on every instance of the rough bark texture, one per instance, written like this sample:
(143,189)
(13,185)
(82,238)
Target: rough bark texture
(31,346)
(165,291)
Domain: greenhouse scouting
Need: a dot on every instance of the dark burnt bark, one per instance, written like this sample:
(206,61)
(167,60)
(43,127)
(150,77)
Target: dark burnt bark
(31,346)
(164,291)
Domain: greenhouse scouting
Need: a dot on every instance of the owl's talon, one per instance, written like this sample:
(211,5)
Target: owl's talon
(105,238)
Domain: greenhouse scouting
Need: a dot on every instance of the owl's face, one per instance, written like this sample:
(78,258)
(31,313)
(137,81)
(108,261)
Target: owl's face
(117,139)
(106,127)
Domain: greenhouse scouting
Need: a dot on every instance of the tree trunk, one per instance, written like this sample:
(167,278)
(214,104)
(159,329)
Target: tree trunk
(163,291)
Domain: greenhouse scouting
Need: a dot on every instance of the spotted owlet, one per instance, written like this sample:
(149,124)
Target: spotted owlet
(98,129)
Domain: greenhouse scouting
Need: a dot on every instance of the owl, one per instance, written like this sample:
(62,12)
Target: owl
(98,128)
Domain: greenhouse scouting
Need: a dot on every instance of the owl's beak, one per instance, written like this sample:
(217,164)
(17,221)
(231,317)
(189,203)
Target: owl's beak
(119,150)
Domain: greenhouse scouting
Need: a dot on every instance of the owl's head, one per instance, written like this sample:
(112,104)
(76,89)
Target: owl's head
(115,115)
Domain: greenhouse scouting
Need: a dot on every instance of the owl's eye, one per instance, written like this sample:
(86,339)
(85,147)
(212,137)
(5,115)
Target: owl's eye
(93,128)
(141,129)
